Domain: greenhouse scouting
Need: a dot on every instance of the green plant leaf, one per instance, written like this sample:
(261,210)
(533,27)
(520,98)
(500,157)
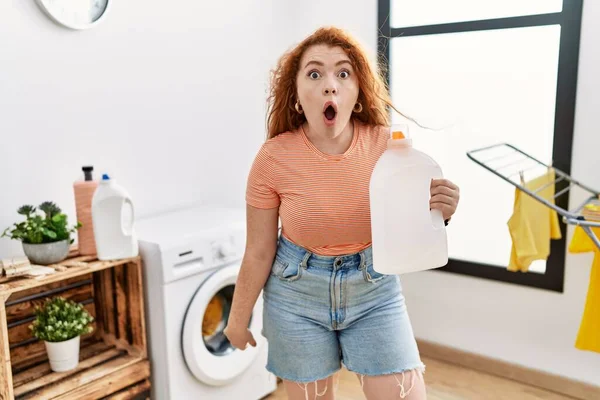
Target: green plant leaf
(49,208)
(58,320)
(39,229)
(26,210)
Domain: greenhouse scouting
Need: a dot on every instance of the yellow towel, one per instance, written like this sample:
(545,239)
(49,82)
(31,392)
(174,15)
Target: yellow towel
(588,337)
(532,224)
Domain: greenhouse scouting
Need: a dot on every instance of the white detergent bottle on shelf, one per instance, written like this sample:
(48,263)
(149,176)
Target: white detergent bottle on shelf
(113,220)
(406,235)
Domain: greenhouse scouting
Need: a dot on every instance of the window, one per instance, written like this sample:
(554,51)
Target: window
(481,74)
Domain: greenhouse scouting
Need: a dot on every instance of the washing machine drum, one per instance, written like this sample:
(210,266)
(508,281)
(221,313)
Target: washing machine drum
(208,354)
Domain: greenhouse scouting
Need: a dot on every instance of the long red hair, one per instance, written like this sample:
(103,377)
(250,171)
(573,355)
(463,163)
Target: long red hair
(373,92)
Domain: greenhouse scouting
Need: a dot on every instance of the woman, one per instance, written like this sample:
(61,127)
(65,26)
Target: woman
(324,304)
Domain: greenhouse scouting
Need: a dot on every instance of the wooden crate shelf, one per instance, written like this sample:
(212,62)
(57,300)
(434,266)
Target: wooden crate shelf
(113,358)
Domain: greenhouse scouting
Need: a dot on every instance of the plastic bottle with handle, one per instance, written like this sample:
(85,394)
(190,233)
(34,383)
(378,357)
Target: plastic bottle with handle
(407,236)
(113,220)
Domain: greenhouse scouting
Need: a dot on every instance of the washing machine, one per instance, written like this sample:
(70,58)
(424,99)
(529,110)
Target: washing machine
(191,259)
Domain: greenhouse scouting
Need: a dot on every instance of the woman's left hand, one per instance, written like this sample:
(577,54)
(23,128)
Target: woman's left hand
(444,197)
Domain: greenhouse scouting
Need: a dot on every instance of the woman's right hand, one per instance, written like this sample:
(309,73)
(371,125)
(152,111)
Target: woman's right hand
(239,337)
(261,246)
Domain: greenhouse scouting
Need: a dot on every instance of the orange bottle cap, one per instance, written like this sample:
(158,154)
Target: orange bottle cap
(398,135)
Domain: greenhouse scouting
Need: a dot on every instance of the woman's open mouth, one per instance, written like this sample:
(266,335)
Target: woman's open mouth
(329,113)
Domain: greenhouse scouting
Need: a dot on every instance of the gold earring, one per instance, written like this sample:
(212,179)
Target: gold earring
(298,107)
(359,109)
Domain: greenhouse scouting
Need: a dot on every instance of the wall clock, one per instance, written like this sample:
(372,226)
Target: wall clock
(75,14)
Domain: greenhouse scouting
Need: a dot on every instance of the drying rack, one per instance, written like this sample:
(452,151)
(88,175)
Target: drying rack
(511,164)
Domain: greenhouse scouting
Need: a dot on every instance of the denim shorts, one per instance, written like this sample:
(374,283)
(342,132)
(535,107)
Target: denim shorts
(324,311)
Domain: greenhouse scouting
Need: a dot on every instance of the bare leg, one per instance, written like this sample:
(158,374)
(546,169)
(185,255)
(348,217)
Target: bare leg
(408,385)
(324,390)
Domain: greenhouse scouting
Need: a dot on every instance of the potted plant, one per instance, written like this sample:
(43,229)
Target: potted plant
(46,238)
(60,323)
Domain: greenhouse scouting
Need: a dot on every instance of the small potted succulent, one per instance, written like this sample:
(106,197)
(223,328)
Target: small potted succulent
(46,238)
(60,323)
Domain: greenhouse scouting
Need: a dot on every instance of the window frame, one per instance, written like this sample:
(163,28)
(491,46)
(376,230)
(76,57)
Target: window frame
(566,90)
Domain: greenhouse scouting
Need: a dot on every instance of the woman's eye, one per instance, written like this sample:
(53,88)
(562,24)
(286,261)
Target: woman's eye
(314,75)
(344,74)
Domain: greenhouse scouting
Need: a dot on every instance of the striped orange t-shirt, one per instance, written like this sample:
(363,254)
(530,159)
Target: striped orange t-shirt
(323,199)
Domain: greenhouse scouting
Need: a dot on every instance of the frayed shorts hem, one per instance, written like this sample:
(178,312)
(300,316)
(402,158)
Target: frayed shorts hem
(296,379)
(419,367)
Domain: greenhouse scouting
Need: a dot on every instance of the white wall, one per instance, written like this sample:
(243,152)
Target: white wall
(359,17)
(531,327)
(168,98)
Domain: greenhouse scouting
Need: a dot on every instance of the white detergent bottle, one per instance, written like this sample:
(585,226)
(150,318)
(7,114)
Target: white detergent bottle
(406,235)
(113,220)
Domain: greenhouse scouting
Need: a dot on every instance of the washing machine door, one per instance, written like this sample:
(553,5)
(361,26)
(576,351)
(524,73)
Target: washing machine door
(208,354)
